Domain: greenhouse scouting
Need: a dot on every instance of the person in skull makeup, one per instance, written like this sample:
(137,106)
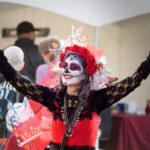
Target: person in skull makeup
(75,104)
(72,70)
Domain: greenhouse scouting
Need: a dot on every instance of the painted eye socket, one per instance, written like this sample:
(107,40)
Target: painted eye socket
(75,67)
(64,65)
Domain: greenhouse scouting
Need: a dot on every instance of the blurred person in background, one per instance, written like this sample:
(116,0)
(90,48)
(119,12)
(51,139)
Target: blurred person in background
(26,36)
(9,96)
(46,47)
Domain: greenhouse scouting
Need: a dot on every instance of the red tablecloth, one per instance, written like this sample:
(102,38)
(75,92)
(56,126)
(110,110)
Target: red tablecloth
(130,132)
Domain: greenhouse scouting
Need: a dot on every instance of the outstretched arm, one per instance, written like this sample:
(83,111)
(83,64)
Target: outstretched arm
(119,90)
(30,89)
(124,87)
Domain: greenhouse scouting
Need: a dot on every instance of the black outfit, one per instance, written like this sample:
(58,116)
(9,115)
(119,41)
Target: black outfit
(32,57)
(98,100)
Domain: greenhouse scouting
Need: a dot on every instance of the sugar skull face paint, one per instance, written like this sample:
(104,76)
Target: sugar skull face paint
(72,70)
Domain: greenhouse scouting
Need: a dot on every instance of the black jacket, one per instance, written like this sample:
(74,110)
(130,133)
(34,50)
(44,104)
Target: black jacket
(32,57)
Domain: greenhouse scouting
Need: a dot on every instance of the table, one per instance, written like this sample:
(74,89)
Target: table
(130,132)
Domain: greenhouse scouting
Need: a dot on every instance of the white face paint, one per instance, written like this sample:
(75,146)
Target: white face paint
(72,71)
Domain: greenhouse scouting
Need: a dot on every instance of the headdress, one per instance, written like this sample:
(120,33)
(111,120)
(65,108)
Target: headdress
(93,67)
(84,53)
(75,45)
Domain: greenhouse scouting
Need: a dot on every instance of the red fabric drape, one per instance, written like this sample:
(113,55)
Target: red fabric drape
(130,132)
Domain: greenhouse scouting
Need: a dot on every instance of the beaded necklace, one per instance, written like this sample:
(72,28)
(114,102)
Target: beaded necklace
(76,117)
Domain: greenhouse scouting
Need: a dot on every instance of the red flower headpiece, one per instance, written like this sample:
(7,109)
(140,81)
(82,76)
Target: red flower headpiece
(84,53)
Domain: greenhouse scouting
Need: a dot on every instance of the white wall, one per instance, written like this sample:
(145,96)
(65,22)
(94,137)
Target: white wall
(11,15)
(126,44)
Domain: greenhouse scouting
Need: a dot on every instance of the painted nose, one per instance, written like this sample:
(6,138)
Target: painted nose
(66,70)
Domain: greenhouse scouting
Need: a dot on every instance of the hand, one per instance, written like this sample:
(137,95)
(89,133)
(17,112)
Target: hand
(99,68)
(144,69)
(112,79)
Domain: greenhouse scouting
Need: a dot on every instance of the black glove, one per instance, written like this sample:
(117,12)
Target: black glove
(144,68)
(3,59)
(5,67)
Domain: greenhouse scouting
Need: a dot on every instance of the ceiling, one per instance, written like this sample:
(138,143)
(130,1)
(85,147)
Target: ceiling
(92,12)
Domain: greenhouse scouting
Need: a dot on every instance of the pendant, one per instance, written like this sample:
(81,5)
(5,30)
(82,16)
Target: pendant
(69,132)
